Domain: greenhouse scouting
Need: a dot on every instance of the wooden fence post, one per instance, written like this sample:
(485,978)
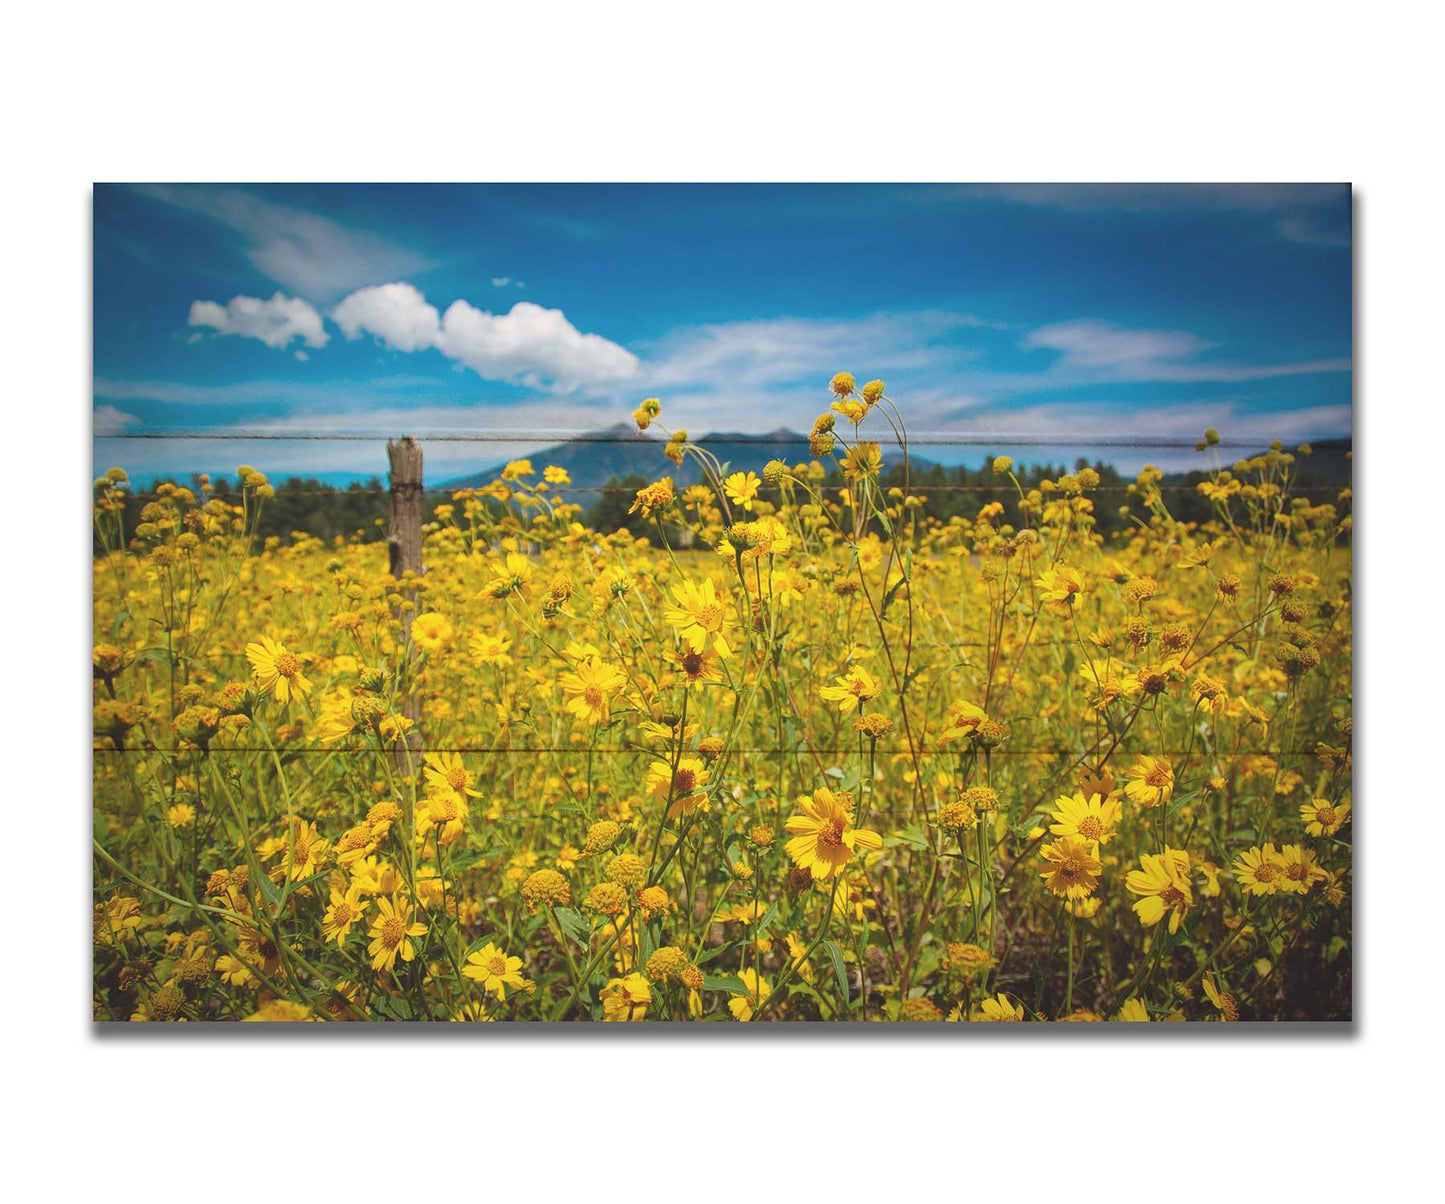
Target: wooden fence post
(404,553)
(404,539)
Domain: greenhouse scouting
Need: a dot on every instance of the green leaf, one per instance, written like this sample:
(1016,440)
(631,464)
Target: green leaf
(768,917)
(394,1006)
(713,954)
(837,955)
(477,944)
(912,836)
(295,886)
(928,960)
(890,595)
(802,988)
(574,924)
(1181,800)
(268,888)
(730,983)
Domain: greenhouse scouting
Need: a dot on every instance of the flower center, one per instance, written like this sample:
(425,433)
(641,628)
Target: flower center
(709,616)
(593,695)
(457,779)
(1157,777)
(497,966)
(830,835)
(392,930)
(683,781)
(1266,871)
(1090,828)
(1171,894)
(692,663)
(288,664)
(1325,815)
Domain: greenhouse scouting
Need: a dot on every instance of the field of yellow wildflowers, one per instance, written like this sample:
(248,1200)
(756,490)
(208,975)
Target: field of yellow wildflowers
(807,754)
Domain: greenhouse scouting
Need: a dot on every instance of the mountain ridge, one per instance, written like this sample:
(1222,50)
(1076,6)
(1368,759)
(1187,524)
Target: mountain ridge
(594,458)
(629,452)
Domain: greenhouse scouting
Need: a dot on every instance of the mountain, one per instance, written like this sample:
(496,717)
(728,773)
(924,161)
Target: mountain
(594,458)
(590,458)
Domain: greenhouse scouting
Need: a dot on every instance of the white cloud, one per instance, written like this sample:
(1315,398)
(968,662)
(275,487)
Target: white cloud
(528,345)
(275,321)
(1093,344)
(107,420)
(397,314)
(532,345)
(1092,351)
(803,351)
(501,281)
(307,254)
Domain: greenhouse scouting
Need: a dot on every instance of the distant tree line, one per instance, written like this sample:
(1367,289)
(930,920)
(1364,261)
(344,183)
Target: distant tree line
(959,490)
(301,504)
(360,510)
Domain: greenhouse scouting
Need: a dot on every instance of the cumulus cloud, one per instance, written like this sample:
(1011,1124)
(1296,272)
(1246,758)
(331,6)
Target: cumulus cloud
(397,314)
(528,345)
(275,321)
(305,253)
(532,345)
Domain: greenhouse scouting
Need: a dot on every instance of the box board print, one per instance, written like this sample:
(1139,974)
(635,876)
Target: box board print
(723,605)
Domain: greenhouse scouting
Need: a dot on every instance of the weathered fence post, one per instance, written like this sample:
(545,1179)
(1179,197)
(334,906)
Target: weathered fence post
(404,539)
(404,552)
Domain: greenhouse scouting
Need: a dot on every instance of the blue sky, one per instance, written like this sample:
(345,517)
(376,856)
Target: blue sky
(1035,317)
